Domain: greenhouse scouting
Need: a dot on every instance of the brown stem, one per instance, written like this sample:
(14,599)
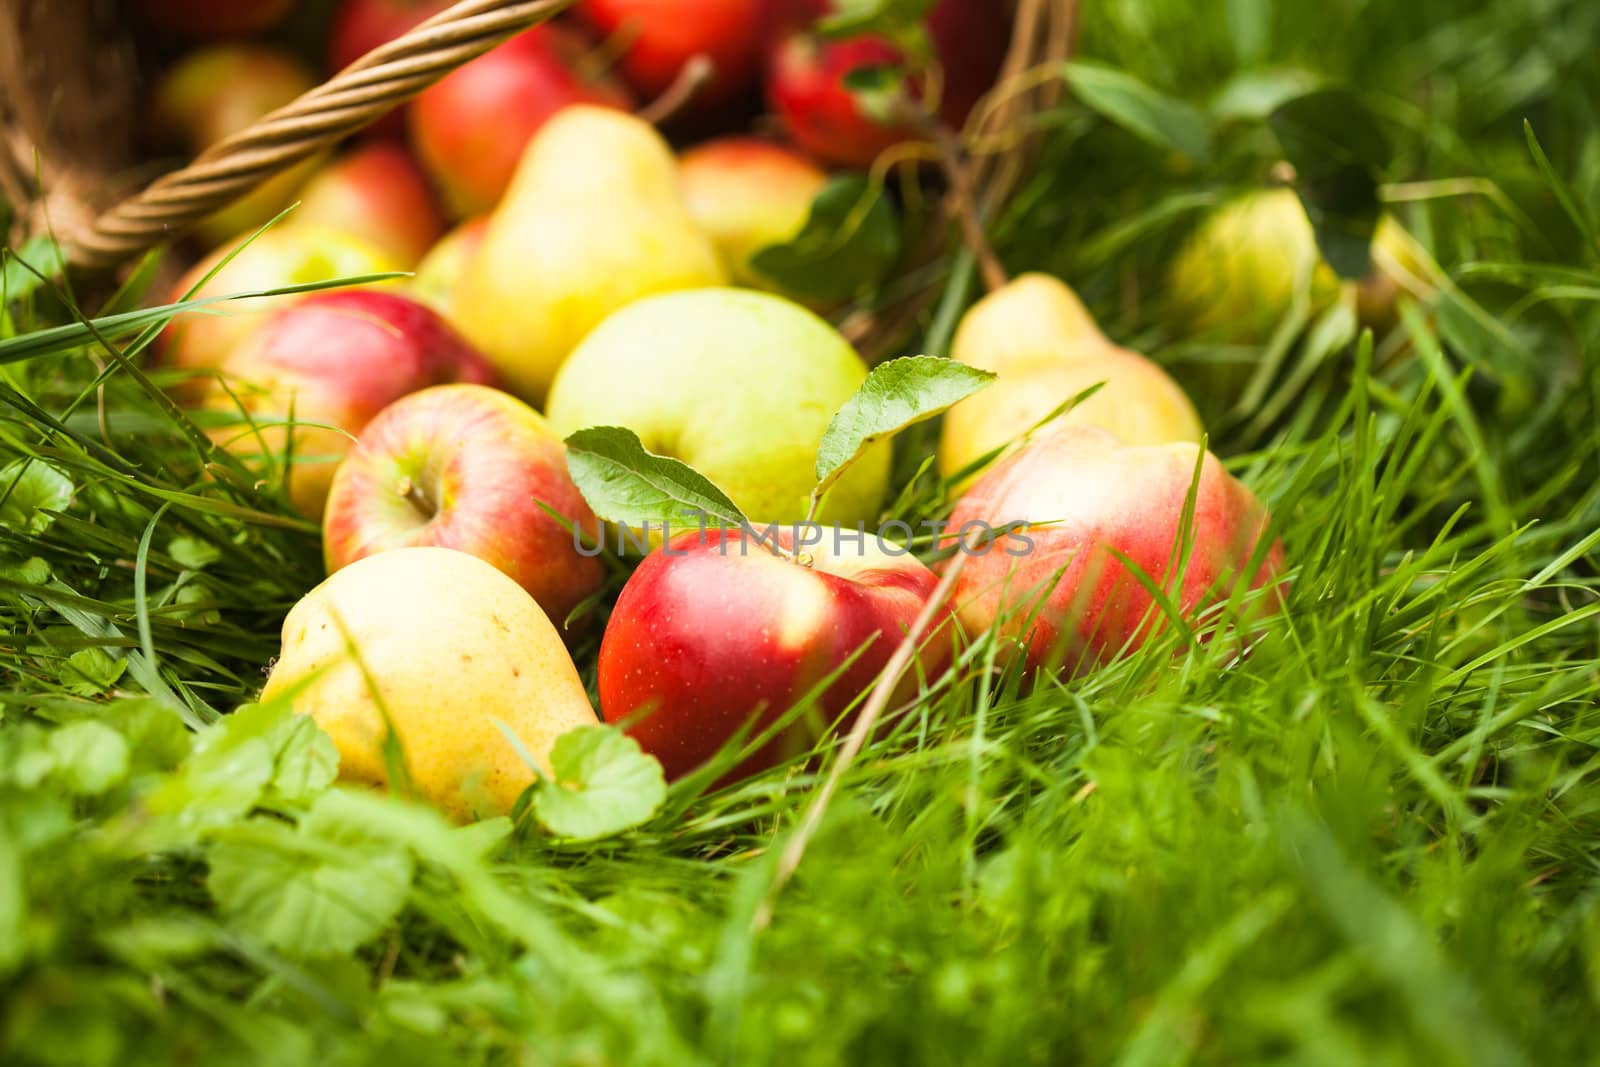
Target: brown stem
(877,703)
(685,87)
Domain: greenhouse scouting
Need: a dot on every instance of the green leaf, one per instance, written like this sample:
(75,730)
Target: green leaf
(889,18)
(320,889)
(307,761)
(1164,121)
(1338,151)
(625,483)
(40,256)
(897,394)
(604,784)
(879,91)
(90,757)
(850,243)
(31,571)
(195,555)
(91,671)
(29,490)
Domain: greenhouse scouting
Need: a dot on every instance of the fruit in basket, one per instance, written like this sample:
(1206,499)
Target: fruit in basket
(807,75)
(207,19)
(738,384)
(441,269)
(452,656)
(282,256)
(593,220)
(662,36)
(1044,345)
(359,26)
(1063,598)
(217,91)
(332,361)
(377,193)
(470,468)
(748,193)
(721,629)
(471,127)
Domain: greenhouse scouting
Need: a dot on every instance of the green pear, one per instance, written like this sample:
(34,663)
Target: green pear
(593,220)
(1045,348)
(739,385)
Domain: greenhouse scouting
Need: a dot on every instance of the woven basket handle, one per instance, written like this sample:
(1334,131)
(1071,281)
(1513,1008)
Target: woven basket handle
(355,97)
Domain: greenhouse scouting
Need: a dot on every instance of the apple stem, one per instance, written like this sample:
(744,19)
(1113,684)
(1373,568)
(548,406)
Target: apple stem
(413,493)
(684,88)
(877,702)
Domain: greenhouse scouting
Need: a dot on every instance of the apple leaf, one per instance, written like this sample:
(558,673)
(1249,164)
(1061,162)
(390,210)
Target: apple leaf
(897,394)
(322,888)
(1162,120)
(90,757)
(89,672)
(850,243)
(626,483)
(1337,150)
(29,490)
(603,784)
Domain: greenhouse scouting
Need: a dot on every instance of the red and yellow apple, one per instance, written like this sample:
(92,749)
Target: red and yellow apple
(207,19)
(748,193)
(217,91)
(470,468)
(332,361)
(1058,590)
(280,257)
(442,269)
(377,193)
(662,36)
(718,630)
(470,129)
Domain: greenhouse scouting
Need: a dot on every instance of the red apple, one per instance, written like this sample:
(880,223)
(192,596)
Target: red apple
(1088,497)
(664,35)
(335,360)
(807,72)
(207,19)
(378,194)
(215,92)
(746,194)
(359,26)
(466,467)
(470,128)
(716,628)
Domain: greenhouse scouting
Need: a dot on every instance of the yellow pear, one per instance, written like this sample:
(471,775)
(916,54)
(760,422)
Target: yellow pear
(454,654)
(594,219)
(1037,337)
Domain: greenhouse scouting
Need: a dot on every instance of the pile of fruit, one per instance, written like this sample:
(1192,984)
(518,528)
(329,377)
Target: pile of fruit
(605,351)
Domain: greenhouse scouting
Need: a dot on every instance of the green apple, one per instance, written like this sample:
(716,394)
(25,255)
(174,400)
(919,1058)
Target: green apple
(738,384)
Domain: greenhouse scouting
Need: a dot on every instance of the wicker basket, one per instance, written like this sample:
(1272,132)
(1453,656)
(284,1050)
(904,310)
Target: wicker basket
(68,133)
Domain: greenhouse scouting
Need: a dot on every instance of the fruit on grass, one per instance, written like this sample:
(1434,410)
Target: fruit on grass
(807,76)
(207,19)
(449,653)
(377,193)
(738,384)
(280,257)
(662,36)
(713,630)
(441,269)
(1041,341)
(332,361)
(217,91)
(748,193)
(470,129)
(470,468)
(593,220)
(1066,599)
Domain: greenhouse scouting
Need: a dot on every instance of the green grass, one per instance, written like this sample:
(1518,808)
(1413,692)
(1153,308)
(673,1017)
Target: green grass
(1373,839)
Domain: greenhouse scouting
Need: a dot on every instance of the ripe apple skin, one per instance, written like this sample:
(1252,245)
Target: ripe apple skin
(748,193)
(1097,494)
(442,269)
(669,33)
(375,192)
(450,650)
(469,129)
(720,627)
(806,75)
(208,19)
(466,467)
(279,257)
(216,91)
(336,359)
